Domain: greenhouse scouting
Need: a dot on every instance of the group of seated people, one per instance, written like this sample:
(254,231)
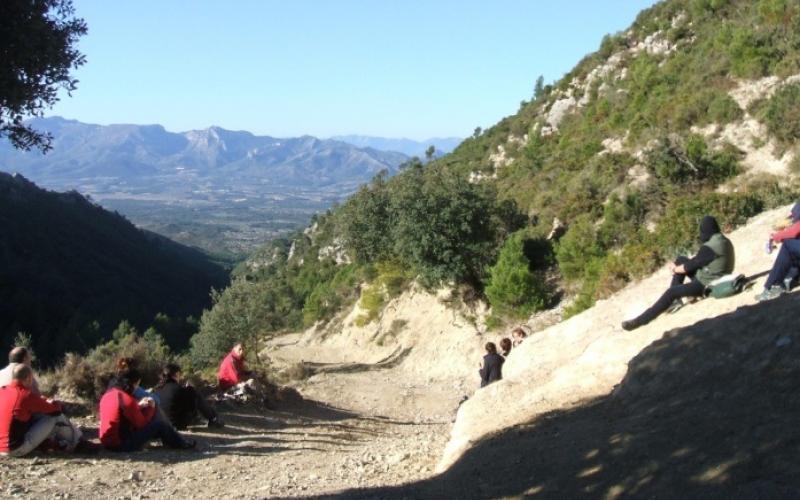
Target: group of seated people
(716,259)
(491,368)
(130,416)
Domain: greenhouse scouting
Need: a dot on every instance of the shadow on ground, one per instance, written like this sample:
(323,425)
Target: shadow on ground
(390,361)
(708,411)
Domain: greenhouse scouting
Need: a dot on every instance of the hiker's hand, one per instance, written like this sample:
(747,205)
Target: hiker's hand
(679,269)
(147,402)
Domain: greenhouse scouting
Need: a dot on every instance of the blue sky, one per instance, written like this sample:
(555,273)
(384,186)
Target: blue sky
(410,68)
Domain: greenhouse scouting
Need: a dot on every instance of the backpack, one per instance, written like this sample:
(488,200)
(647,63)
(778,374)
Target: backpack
(726,286)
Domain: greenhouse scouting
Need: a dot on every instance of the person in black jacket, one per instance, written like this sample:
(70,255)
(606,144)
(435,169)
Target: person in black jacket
(181,402)
(492,368)
(714,259)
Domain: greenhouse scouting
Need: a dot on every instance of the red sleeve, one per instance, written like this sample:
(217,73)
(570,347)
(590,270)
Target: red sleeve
(789,233)
(135,415)
(37,404)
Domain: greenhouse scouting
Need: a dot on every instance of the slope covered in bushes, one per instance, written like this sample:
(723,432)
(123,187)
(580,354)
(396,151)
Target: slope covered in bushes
(72,271)
(629,149)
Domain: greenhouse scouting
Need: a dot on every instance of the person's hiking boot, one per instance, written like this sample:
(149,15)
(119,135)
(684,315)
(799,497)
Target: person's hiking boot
(787,284)
(676,306)
(86,447)
(630,324)
(770,293)
(188,444)
(216,423)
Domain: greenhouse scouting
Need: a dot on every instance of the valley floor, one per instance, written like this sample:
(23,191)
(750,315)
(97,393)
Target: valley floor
(359,426)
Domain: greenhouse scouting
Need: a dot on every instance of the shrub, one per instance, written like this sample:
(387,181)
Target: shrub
(781,114)
(577,248)
(691,162)
(88,376)
(513,288)
(678,230)
(390,282)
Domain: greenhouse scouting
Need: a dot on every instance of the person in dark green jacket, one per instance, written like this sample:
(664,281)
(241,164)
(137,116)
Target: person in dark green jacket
(714,259)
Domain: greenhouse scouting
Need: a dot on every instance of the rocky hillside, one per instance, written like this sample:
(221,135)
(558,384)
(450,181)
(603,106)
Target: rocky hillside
(687,112)
(72,271)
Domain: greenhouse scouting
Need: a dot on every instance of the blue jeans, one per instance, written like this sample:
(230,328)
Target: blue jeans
(788,257)
(155,429)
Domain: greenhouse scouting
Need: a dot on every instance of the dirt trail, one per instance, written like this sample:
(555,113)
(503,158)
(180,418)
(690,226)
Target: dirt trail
(373,429)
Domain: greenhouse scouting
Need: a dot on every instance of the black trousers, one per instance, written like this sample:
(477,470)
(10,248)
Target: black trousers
(188,402)
(677,289)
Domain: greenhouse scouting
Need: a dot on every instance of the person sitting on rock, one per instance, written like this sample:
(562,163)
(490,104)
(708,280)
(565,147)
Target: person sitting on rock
(181,402)
(26,418)
(714,259)
(518,336)
(492,367)
(505,347)
(785,268)
(128,425)
(232,371)
(69,434)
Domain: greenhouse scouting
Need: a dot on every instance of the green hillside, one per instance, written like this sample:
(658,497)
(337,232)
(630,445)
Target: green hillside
(72,271)
(628,149)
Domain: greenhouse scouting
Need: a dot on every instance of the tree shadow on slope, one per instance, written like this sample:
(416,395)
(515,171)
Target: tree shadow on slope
(708,411)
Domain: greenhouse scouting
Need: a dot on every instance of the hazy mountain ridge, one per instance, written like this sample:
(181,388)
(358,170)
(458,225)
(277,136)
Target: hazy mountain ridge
(138,152)
(408,147)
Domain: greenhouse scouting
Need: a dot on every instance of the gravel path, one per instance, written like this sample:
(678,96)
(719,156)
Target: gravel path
(372,430)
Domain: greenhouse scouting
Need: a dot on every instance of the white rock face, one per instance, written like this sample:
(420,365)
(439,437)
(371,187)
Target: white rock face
(558,111)
(335,251)
(748,134)
(654,44)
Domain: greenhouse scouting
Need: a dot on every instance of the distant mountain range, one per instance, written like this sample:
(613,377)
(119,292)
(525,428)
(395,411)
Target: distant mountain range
(214,158)
(408,147)
(224,191)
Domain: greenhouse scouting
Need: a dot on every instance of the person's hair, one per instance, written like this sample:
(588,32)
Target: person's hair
(127,375)
(491,348)
(168,373)
(505,345)
(17,355)
(21,372)
(125,364)
(519,331)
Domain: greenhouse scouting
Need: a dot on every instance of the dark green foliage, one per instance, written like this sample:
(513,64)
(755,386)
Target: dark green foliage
(38,50)
(88,376)
(513,287)
(444,226)
(781,113)
(72,271)
(678,229)
(693,162)
(367,221)
(577,248)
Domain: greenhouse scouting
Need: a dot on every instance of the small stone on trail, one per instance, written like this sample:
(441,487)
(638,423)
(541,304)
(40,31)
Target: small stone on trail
(783,341)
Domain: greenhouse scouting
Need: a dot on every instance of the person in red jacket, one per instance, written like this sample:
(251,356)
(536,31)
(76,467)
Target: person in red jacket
(788,260)
(128,425)
(232,370)
(26,419)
